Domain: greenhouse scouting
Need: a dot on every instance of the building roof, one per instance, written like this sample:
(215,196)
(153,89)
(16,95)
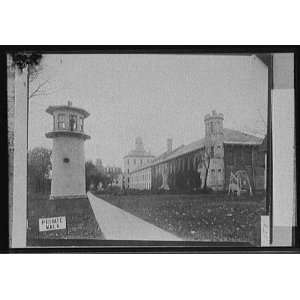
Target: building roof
(230,137)
(188,148)
(161,158)
(53,108)
(165,154)
(264,145)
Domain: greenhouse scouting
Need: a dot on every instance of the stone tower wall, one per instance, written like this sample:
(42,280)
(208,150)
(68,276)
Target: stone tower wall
(68,178)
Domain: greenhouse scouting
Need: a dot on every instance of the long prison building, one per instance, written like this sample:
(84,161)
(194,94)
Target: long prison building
(208,161)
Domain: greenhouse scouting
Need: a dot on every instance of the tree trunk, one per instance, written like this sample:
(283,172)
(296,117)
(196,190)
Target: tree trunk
(206,175)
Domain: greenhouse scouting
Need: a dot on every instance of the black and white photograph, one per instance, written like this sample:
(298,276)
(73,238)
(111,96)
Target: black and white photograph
(136,148)
(150,150)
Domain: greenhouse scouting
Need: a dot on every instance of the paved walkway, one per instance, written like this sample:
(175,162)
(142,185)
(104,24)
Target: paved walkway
(117,224)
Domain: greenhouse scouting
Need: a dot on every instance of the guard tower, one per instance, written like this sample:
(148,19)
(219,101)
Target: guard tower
(214,124)
(214,137)
(68,162)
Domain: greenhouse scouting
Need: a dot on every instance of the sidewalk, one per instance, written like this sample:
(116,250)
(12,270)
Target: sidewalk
(117,224)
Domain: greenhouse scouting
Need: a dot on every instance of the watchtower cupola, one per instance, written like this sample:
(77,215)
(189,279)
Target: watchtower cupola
(213,124)
(67,120)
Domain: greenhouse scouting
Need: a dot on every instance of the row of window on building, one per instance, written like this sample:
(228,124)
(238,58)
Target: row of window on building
(112,170)
(75,122)
(141,181)
(141,161)
(213,171)
(142,177)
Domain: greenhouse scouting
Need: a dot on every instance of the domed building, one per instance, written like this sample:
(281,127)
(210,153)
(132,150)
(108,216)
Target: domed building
(136,159)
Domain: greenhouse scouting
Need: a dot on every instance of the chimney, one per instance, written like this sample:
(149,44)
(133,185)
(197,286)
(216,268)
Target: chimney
(69,103)
(169,145)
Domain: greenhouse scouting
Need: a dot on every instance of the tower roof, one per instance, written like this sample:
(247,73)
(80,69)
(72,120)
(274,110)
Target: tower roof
(52,108)
(214,115)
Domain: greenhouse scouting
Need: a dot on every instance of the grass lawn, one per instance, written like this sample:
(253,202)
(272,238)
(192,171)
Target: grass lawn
(203,217)
(81,222)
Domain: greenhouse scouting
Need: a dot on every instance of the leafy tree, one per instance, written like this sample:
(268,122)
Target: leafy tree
(93,175)
(39,164)
(90,173)
(32,61)
(23,60)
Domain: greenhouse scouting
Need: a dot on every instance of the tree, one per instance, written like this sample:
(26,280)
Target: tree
(93,176)
(39,86)
(206,164)
(207,154)
(90,174)
(32,61)
(259,127)
(24,60)
(39,164)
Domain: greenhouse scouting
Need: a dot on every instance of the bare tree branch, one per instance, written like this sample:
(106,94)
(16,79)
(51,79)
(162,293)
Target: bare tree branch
(256,131)
(34,75)
(39,89)
(259,127)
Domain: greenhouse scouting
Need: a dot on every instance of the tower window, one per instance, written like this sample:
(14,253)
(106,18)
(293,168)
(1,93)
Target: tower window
(73,122)
(61,121)
(66,160)
(80,123)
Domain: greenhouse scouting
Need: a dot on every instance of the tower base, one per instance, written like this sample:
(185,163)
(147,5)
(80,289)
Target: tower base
(81,223)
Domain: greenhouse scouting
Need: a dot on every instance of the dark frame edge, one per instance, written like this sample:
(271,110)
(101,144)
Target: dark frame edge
(4,244)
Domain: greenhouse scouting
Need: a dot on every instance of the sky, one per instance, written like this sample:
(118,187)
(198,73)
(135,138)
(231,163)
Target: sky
(155,96)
